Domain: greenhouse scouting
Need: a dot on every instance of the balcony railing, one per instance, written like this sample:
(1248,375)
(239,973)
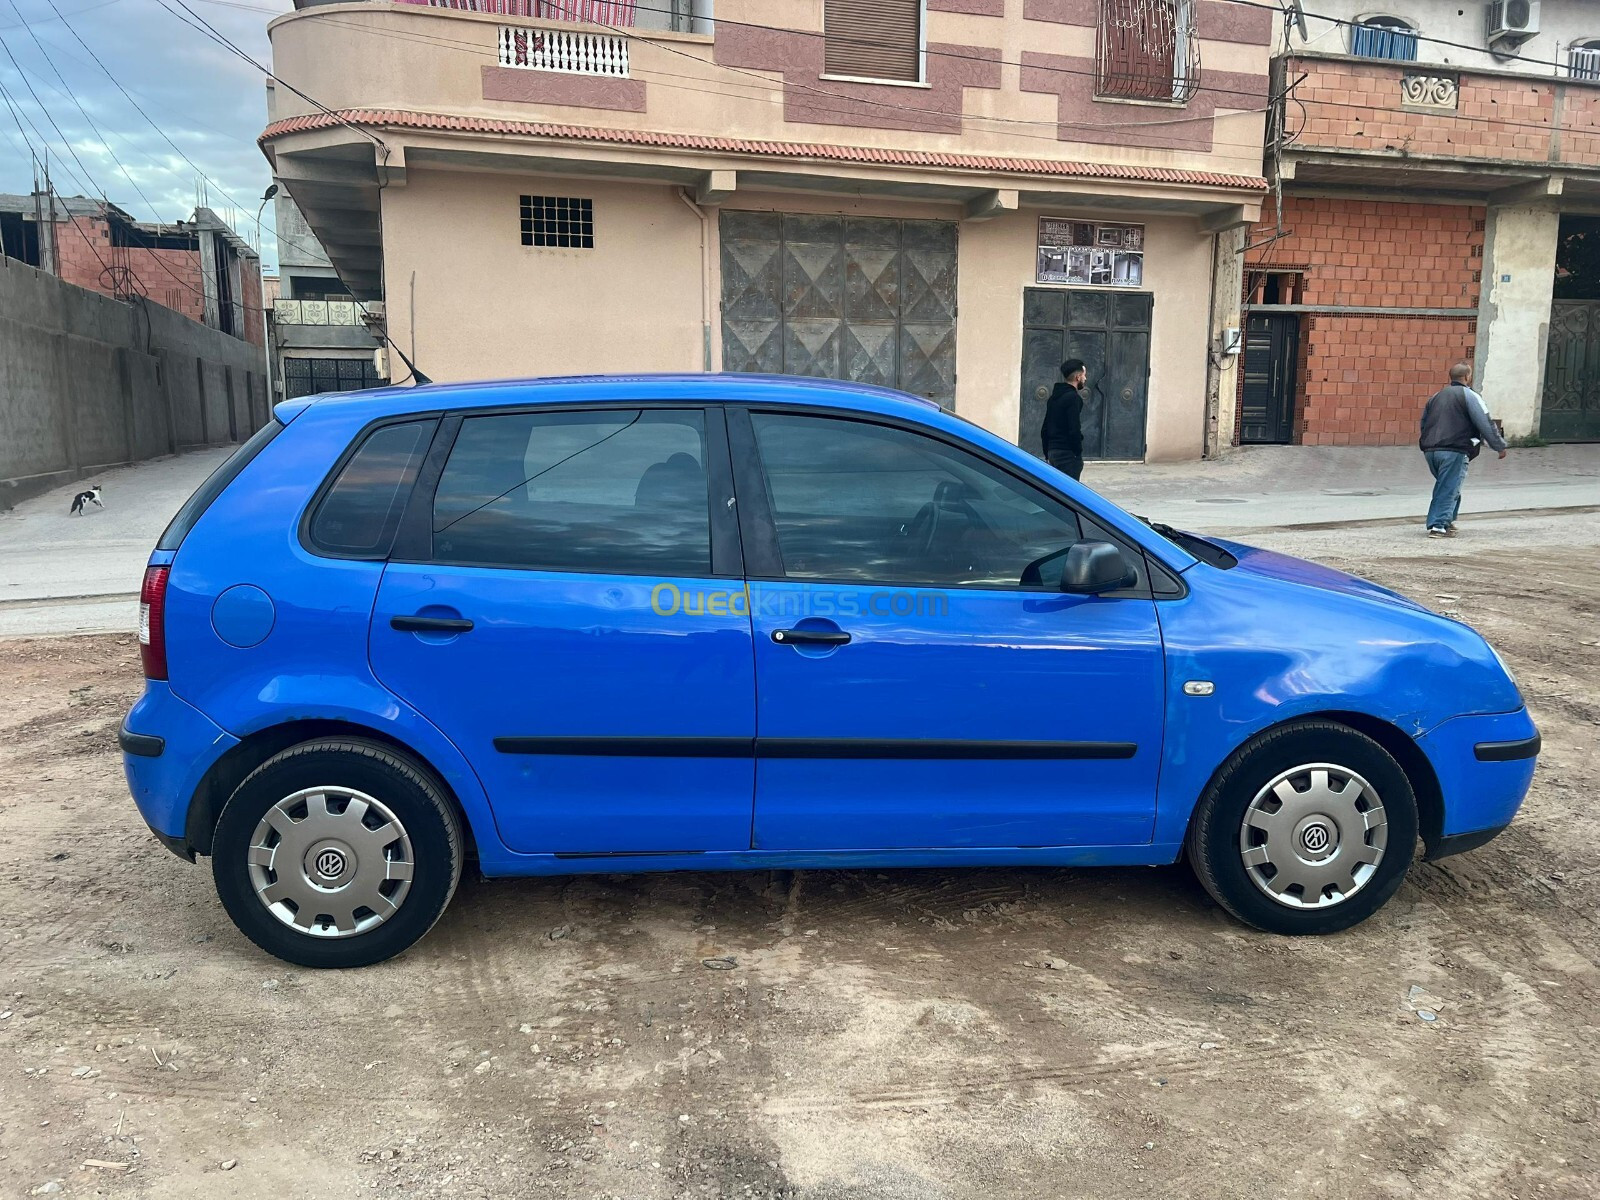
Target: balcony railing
(316,312)
(1584,64)
(673,16)
(567,51)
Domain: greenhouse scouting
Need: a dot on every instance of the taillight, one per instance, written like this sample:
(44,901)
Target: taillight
(153,622)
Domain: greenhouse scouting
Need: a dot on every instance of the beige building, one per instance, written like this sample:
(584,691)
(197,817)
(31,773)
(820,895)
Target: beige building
(945,196)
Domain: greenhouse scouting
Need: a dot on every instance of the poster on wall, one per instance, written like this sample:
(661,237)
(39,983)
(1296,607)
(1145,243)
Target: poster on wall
(1090,254)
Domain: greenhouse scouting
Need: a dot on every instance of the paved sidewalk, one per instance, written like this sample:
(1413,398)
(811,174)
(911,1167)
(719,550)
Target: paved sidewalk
(64,574)
(1278,487)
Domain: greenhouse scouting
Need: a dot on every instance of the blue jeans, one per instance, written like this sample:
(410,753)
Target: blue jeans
(1449,469)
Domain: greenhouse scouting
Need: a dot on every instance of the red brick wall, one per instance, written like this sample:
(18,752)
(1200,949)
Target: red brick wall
(1357,105)
(1363,378)
(168,277)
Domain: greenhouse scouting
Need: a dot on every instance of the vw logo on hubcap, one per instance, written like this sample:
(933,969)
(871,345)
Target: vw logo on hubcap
(1315,838)
(330,864)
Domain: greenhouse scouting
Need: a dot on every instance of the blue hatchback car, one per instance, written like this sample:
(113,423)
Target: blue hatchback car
(721,622)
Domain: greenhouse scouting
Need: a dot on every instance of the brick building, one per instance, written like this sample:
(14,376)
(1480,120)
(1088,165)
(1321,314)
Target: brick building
(199,267)
(1425,191)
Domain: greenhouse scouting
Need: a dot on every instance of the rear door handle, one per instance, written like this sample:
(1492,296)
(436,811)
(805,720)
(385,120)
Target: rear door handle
(431,624)
(810,637)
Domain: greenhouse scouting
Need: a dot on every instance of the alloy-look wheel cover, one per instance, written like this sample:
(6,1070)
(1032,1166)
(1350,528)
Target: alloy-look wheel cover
(1313,836)
(331,862)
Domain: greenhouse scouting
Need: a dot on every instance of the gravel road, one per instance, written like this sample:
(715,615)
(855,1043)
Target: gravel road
(919,1034)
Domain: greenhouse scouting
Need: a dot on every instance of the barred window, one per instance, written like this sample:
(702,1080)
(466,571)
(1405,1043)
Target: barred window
(558,221)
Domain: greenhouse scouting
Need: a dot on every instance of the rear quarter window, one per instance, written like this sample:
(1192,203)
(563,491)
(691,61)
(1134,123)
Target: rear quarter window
(359,511)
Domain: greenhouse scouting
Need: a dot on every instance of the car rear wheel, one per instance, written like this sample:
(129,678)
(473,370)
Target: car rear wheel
(1309,828)
(337,853)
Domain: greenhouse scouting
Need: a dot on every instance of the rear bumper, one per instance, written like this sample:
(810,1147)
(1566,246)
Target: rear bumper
(1485,766)
(168,746)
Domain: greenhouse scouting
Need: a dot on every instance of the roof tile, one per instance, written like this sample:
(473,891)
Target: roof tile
(1058,168)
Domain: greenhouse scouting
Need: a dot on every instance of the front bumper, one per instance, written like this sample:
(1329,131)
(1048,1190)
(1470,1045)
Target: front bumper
(1485,766)
(168,746)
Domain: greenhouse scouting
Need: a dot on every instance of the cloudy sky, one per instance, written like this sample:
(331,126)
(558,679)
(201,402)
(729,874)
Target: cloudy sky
(210,104)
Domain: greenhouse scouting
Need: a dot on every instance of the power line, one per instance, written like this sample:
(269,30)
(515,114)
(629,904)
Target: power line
(1354,24)
(64,140)
(25,22)
(72,95)
(768,84)
(166,138)
(196,21)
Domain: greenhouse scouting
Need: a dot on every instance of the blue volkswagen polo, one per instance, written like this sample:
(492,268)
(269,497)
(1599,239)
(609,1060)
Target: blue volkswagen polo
(719,622)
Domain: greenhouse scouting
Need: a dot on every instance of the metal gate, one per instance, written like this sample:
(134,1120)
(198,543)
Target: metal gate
(1570,408)
(1271,352)
(858,298)
(1110,331)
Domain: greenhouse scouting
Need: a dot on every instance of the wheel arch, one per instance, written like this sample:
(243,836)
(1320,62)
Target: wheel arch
(1396,743)
(229,771)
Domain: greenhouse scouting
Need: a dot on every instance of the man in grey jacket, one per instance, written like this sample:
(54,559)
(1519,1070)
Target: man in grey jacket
(1451,421)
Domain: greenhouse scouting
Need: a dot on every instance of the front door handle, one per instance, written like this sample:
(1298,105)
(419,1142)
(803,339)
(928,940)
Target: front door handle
(431,624)
(810,637)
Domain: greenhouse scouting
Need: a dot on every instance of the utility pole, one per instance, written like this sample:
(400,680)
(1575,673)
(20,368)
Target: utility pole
(49,251)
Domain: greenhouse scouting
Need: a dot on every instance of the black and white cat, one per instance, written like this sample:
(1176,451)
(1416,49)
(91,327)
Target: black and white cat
(83,499)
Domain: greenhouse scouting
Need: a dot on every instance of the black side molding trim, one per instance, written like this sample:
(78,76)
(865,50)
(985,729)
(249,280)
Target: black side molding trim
(1460,843)
(630,747)
(927,748)
(1508,751)
(622,853)
(837,748)
(143,744)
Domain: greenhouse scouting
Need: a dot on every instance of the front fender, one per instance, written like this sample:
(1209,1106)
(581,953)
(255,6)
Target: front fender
(1275,650)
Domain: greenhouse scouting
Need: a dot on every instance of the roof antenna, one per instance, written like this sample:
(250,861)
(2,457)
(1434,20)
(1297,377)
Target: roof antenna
(417,376)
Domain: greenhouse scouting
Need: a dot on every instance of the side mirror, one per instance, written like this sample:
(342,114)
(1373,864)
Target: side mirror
(1095,567)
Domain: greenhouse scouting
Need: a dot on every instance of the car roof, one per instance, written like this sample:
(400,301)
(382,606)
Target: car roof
(698,387)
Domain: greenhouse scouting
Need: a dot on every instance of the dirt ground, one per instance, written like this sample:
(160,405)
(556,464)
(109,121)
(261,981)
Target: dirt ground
(918,1035)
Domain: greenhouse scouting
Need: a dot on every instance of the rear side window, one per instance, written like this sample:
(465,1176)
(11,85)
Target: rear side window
(194,508)
(618,492)
(358,515)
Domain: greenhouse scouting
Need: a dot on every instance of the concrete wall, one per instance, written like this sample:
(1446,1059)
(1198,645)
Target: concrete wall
(1519,258)
(87,382)
(487,306)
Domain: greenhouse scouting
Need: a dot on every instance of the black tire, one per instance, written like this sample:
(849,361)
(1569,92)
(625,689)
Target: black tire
(1214,848)
(400,784)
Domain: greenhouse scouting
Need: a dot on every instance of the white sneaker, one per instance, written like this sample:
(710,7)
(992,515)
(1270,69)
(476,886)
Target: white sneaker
(1438,531)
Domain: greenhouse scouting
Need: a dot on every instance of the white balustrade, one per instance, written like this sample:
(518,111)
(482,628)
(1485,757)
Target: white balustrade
(569,52)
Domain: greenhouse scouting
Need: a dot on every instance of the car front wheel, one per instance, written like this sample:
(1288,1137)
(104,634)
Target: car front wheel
(336,853)
(1309,828)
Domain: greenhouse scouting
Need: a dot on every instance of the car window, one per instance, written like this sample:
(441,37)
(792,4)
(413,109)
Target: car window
(358,515)
(612,492)
(857,501)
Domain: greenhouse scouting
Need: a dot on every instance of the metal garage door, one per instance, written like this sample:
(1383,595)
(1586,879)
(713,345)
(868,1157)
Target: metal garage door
(858,298)
(1110,331)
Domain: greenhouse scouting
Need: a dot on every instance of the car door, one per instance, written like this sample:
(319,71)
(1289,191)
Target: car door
(566,604)
(921,682)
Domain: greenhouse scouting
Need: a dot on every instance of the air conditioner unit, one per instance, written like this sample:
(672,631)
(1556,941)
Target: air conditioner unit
(1511,21)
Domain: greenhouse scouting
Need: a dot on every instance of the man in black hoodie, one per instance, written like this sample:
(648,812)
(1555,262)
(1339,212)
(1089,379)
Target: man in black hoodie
(1062,433)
